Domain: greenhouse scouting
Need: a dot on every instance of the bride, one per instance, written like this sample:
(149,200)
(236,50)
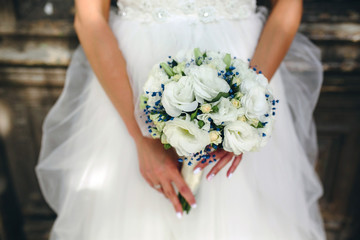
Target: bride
(107,179)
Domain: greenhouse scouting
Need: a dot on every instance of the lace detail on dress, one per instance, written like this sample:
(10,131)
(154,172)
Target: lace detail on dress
(203,10)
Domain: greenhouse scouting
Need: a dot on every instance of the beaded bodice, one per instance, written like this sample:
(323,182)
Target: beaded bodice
(203,10)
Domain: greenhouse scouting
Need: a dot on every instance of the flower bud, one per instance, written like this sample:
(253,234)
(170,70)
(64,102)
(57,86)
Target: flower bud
(215,137)
(236,103)
(205,108)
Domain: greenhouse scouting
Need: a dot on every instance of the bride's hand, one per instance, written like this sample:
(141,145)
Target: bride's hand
(222,158)
(160,167)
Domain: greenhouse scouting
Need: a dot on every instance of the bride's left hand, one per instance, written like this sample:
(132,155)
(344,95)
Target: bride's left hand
(222,158)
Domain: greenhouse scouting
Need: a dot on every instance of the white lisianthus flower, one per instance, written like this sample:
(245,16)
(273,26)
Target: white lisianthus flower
(247,84)
(205,108)
(227,112)
(216,60)
(156,77)
(262,80)
(207,84)
(185,136)
(240,137)
(255,103)
(215,137)
(240,65)
(179,96)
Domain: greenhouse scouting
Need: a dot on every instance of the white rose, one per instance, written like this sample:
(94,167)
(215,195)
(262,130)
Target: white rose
(205,108)
(227,112)
(179,96)
(255,103)
(207,84)
(156,77)
(185,136)
(240,137)
(215,137)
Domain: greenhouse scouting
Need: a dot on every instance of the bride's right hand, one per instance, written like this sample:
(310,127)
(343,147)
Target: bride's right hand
(160,167)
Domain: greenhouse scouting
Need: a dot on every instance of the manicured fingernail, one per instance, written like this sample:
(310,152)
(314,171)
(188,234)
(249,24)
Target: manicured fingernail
(230,175)
(210,177)
(194,205)
(179,215)
(197,170)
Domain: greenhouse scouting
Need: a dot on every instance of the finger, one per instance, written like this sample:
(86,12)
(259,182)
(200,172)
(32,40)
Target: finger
(234,165)
(151,180)
(171,195)
(219,165)
(184,189)
(214,156)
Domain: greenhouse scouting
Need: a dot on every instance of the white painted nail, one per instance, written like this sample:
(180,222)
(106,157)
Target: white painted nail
(197,170)
(194,205)
(230,175)
(210,177)
(179,215)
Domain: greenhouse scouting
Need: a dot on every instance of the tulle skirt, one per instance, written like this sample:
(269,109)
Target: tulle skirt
(88,168)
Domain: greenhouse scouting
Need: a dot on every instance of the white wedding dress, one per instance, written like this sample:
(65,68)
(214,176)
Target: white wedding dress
(88,168)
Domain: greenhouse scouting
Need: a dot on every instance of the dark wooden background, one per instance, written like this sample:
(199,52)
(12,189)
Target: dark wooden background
(35,49)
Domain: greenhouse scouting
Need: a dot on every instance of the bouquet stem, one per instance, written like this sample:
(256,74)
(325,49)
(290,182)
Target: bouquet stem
(192,180)
(185,205)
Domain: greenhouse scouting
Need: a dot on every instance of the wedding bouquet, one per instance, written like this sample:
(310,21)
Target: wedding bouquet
(197,102)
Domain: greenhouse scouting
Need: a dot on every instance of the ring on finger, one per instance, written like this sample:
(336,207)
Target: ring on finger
(157,186)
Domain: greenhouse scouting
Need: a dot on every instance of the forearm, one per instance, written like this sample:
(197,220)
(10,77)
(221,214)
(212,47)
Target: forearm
(277,36)
(108,63)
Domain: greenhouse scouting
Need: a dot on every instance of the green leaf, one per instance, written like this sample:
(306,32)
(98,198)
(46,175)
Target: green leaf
(143,101)
(215,109)
(221,94)
(260,125)
(167,69)
(167,146)
(193,115)
(227,60)
(185,205)
(198,56)
(201,123)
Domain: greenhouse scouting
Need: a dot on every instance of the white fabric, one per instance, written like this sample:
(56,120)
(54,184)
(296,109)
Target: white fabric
(88,169)
(170,10)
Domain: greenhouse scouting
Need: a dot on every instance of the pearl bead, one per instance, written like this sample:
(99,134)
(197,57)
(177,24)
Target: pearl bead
(206,14)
